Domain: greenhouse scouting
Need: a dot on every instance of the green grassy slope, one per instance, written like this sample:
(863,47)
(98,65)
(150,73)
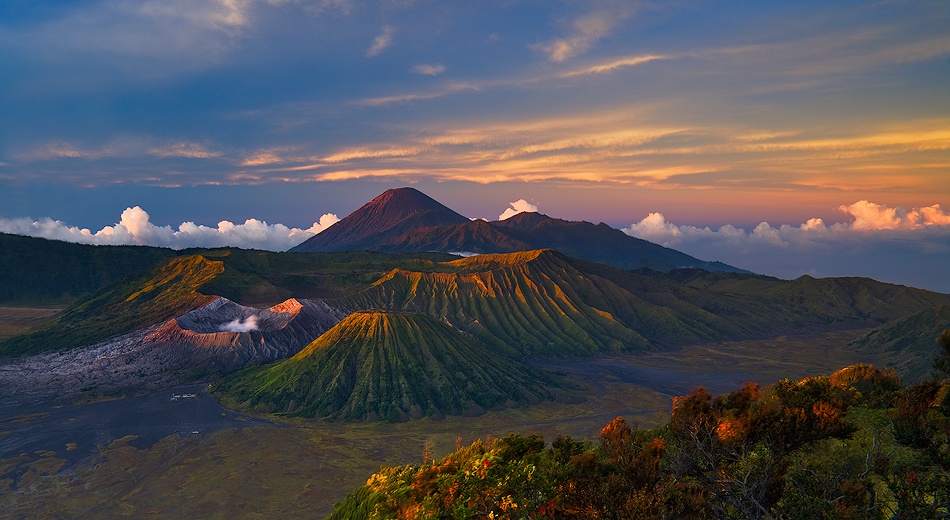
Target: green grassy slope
(37,271)
(166,291)
(532,302)
(911,339)
(261,276)
(542,302)
(381,365)
(761,306)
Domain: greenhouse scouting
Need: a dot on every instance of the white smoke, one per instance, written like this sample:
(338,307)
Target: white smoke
(519,206)
(240,326)
(135,228)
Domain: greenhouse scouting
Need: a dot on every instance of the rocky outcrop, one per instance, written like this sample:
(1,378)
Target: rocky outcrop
(220,337)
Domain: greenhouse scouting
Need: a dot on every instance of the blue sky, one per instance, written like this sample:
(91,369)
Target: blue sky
(710,114)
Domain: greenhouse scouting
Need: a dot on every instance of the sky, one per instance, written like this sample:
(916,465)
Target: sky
(784,137)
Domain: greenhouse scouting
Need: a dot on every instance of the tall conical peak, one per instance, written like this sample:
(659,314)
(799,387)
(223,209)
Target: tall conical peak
(394,212)
(404,202)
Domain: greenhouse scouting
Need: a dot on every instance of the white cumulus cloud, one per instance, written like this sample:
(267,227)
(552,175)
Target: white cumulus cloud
(868,215)
(519,206)
(135,228)
(885,243)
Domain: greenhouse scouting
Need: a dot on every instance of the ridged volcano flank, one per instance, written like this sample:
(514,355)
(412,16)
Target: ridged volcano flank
(545,303)
(378,365)
(393,213)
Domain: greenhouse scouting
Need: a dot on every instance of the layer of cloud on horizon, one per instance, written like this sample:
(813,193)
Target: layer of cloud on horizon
(135,228)
(890,244)
(885,243)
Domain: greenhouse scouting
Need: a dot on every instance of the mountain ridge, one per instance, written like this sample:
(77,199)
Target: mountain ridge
(543,302)
(406,220)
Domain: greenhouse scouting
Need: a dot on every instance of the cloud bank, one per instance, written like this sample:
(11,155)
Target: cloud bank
(135,228)
(885,243)
(519,206)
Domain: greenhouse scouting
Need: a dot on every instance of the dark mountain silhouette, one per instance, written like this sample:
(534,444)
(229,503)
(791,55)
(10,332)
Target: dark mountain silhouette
(390,214)
(406,220)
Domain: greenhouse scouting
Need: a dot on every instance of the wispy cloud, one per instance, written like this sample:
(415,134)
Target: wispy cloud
(262,158)
(452,87)
(187,150)
(611,66)
(370,153)
(140,40)
(631,146)
(135,227)
(429,70)
(136,147)
(382,41)
(585,32)
(317,7)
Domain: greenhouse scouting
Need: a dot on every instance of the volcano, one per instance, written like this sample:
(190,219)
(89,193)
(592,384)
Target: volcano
(407,220)
(392,214)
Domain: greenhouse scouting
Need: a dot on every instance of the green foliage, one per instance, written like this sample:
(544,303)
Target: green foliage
(850,445)
(37,271)
(389,366)
(942,362)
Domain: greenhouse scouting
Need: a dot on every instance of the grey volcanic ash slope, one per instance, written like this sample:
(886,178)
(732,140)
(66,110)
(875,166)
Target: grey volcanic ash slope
(228,336)
(389,365)
(162,355)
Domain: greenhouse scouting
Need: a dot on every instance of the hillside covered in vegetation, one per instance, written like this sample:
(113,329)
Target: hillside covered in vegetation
(378,365)
(855,444)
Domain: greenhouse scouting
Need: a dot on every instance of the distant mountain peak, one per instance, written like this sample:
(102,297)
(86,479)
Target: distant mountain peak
(524,220)
(406,201)
(393,212)
(407,220)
